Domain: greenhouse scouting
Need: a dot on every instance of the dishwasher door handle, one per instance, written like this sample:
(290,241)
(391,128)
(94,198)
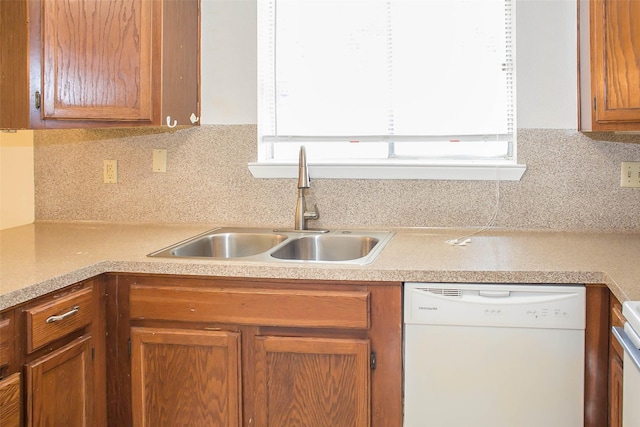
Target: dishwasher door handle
(627,344)
(494,294)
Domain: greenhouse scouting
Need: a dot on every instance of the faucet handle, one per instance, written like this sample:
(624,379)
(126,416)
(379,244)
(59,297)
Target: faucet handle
(312,214)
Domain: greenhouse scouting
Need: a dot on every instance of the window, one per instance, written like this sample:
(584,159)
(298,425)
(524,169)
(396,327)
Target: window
(387,88)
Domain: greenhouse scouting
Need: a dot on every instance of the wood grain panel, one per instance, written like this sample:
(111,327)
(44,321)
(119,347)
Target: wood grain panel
(14,76)
(615,60)
(269,307)
(616,375)
(616,319)
(185,377)
(60,387)
(616,362)
(97,58)
(622,54)
(40,333)
(11,401)
(386,342)
(6,341)
(597,333)
(312,382)
(181,70)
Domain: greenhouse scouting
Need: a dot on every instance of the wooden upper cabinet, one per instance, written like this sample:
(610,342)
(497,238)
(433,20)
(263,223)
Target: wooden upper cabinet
(91,63)
(97,59)
(14,54)
(610,65)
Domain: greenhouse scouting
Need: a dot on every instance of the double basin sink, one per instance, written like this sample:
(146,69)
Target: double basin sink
(268,245)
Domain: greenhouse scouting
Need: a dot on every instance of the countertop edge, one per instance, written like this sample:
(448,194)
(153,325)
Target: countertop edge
(262,271)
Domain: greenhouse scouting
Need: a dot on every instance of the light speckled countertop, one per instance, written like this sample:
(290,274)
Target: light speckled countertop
(39,258)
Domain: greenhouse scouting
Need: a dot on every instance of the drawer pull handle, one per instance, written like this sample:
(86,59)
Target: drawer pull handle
(69,313)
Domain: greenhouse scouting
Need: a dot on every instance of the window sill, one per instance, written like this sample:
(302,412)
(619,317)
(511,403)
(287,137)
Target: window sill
(400,170)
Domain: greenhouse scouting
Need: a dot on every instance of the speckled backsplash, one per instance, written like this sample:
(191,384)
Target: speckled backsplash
(572,182)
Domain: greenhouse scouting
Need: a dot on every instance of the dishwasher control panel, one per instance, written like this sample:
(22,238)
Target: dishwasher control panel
(534,306)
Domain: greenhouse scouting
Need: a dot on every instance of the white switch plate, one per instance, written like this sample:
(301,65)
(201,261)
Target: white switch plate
(630,174)
(110,171)
(159,160)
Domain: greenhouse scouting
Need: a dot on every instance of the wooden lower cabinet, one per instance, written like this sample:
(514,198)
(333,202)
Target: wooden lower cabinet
(615,390)
(10,379)
(312,382)
(61,341)
(185,378)
(616,364)
(60,387)
(11,401)
(243,352)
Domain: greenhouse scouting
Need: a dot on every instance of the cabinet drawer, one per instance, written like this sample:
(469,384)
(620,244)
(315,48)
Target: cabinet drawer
(617,318)
(52,320)
(268,307)
(6,341)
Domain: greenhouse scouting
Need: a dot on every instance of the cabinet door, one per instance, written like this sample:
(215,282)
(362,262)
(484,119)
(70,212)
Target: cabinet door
(14,52)
(616,363)
(97,59)
(10,401)
(7,339)
(185,377)
(60,387)
(615,390)
(615,44)
(318,382)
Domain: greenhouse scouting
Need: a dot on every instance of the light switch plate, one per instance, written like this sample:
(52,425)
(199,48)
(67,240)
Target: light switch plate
(630,174)
(159,160)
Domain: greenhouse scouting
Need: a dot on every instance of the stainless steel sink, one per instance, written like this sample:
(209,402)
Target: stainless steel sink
(223,243)
(268,245)
(228,245)
(327,248)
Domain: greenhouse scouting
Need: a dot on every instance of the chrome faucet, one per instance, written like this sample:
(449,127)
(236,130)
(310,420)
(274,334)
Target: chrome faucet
(302,215)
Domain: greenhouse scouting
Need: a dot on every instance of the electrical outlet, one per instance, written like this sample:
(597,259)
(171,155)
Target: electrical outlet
(159,160)
(630,174)
(110,170)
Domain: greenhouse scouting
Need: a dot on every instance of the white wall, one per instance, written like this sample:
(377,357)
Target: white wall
(228,59)
(16,179)
(546,63)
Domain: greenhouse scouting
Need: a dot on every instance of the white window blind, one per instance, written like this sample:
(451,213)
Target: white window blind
(361,81)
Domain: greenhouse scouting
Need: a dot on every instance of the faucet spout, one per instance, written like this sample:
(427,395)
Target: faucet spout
(302,215)
(303,170)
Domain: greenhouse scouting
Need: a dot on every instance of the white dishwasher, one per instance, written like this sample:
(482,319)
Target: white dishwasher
(482,355)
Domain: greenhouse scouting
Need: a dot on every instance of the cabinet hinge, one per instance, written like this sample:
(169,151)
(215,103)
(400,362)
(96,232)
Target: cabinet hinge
(372,360)
(594,103)
(129,347)
(93,353)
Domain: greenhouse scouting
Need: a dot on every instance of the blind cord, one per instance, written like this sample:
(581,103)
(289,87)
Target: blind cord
(466,239)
